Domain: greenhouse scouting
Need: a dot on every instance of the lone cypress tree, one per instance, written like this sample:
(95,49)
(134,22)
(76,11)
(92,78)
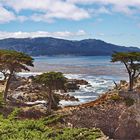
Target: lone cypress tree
(131,61)
(12,62)
(51,82)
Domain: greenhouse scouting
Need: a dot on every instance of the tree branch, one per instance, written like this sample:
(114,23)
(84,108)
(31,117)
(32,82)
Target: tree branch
(127,68)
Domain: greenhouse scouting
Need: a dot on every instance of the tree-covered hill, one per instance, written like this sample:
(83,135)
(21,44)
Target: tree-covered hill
(54,46)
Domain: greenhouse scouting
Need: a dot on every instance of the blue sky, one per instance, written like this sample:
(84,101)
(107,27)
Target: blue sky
(114,21)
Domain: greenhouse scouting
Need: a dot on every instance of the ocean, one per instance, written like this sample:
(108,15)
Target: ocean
(99,71)
(92,65)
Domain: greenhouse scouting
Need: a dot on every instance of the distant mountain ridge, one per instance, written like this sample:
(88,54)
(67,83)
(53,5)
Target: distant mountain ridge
(54,46)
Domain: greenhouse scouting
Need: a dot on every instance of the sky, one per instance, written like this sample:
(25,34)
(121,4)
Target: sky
(114,21)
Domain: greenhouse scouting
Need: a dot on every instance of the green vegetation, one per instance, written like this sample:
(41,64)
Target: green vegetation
(115,97)
(13,129)
(1,100)
(131,60)
(12,62)
(129,101)
(51,82)
(53,127)
(53,119)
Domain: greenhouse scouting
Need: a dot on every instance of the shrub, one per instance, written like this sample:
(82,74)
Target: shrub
(53,119)
(115,97)
(14,114)
(129,101)
(37,130)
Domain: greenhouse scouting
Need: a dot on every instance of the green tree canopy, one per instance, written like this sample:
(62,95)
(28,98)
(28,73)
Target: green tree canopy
(15,61)
(131,60)
(12,62)
(51,81)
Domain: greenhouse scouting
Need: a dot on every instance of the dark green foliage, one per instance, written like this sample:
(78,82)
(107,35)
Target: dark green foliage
(11,129)
(15,60)
(129,101)
(14,114)
(53,119)
(12,62)
(131,61)
(126,56)
(53,80)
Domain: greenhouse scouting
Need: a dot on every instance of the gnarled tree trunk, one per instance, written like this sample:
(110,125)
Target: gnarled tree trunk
(131,84)
(49,108)
(54,104)
(51,101)
(7,84)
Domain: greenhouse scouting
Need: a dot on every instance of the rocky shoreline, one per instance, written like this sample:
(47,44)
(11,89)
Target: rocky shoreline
(25,91)
(116,113)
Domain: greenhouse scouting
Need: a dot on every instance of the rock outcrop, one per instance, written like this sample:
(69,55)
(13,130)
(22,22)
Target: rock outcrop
(25,90)
(74,84)
(111,114)
(129,123)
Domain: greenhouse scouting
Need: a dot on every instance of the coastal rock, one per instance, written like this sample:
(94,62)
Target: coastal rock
(32,113)
(103,117)
(102,113)
(74,84)
(25,90)
(129,123)
(71,86)
(133,95)
(67,97)
(17,81)
(81,82)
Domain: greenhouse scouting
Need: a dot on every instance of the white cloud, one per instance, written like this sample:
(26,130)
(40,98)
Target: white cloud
(105,2)
(100,10)
(5,15)
(128,7)
(59,34)
(50,16)
(50,9)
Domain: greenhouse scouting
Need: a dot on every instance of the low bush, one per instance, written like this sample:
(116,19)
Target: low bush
(115,97)
(14,129)
(53,119)
(129,101)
